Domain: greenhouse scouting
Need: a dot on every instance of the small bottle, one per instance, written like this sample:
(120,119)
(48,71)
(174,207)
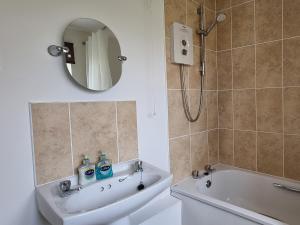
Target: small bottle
(86,172)
(103,168)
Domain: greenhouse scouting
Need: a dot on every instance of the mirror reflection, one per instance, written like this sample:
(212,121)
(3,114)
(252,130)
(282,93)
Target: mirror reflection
(94,58)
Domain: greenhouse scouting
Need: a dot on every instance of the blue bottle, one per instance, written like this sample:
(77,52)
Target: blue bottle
(103,168)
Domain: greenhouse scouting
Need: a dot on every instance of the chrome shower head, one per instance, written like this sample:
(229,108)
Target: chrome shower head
(221,17)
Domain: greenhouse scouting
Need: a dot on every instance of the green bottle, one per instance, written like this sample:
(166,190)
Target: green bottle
(103,168)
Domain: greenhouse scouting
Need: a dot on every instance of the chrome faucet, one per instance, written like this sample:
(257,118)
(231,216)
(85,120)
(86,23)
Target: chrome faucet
(64,188)
(207,170)
(139,166)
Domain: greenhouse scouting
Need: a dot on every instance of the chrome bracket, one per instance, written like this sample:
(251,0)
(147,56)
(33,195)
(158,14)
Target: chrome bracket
(56,50)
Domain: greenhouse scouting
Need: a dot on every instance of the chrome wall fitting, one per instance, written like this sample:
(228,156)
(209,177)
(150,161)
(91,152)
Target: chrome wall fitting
(56,50)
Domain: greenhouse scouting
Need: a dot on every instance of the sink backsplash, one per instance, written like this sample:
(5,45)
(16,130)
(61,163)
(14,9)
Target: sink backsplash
(63,132)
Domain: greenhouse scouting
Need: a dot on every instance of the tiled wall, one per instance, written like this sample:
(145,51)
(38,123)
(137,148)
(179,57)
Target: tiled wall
(63,132)
(192,145)
(258,57)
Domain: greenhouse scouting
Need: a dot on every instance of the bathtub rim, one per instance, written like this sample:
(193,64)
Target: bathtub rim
(177,190)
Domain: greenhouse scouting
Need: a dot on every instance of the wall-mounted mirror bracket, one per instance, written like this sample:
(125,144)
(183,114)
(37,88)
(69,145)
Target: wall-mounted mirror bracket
(56,50)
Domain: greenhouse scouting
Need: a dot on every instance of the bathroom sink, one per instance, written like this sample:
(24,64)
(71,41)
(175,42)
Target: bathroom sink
(104,201)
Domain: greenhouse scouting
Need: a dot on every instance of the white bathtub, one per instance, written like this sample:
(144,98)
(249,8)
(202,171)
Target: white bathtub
(238,197)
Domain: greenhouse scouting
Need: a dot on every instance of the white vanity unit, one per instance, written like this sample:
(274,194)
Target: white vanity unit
(106,201)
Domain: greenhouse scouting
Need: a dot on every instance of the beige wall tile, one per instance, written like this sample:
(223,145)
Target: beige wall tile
(224,70)
(193,20)
(268,20)
(127,130)
(292,156)
(243,67)
(270,153)
(243,25)
(244,109)
(211,71)
(199,150)
(201,123)
(211,4)
(194,74)
(212,109)
(269,65)
(291,22)
(225,109)
(238,2)
(173,73)
(175,11)
(211,38)
(178,124)
(291,110)
(93,130)
(291,65)
(269,110)
(222,4)
(213,146)
(224,32)
(51,138)
(180,158)
(245,149)
(226,146)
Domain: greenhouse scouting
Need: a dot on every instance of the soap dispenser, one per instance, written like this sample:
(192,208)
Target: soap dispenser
(103,167)
(86,172)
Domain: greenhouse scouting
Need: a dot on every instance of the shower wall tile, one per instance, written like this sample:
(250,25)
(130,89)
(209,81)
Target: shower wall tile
(213,146)
(268,20)
(270,153)
(243,25)
(244,108)
(224,32)
(224,70)
(222,4)
(93,130)
(199,150)
(292,156)
(173,73)
(245,149)
(211,71)
(127,130)
(175,11)
(212,110)
(269,110)
(51,139)
(225,109)
(238,2)
(193,20)
(64,132)
(291,110)
(211,4)
(226,146)
(291,21)
(194,71)
(243,67)
(269,65)
(291,65)
(180,158)
(178,125)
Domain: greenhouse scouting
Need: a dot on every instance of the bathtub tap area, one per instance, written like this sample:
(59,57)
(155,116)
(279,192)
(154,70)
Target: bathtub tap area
(238,196)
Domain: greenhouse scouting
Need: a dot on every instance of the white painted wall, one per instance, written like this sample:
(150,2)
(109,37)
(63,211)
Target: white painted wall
(29,74)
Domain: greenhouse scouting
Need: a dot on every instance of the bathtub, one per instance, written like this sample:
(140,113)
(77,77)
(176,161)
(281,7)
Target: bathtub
(238,197)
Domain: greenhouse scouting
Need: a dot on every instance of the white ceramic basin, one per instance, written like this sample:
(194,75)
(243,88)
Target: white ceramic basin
(104,201)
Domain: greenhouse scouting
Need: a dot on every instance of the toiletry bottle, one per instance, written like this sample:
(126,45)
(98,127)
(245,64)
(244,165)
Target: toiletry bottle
(103,168)
(86,172)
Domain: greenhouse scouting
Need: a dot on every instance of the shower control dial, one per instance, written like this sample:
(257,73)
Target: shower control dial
(183,42)
(184,52)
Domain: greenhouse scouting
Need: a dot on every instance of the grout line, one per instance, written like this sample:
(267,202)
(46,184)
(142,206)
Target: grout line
(236,5)
(71,138)
(117,130)
(244,89)
(255,74)
(282,91)
(232,104)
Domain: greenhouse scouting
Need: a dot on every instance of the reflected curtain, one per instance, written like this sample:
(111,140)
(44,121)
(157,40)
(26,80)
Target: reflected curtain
(97,64)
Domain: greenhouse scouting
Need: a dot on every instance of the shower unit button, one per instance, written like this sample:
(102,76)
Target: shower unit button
(181,44)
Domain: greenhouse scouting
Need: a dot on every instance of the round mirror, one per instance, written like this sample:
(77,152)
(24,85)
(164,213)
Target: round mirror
(94,57)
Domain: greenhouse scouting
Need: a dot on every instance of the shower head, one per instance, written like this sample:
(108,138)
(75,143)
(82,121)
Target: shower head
(219,18)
